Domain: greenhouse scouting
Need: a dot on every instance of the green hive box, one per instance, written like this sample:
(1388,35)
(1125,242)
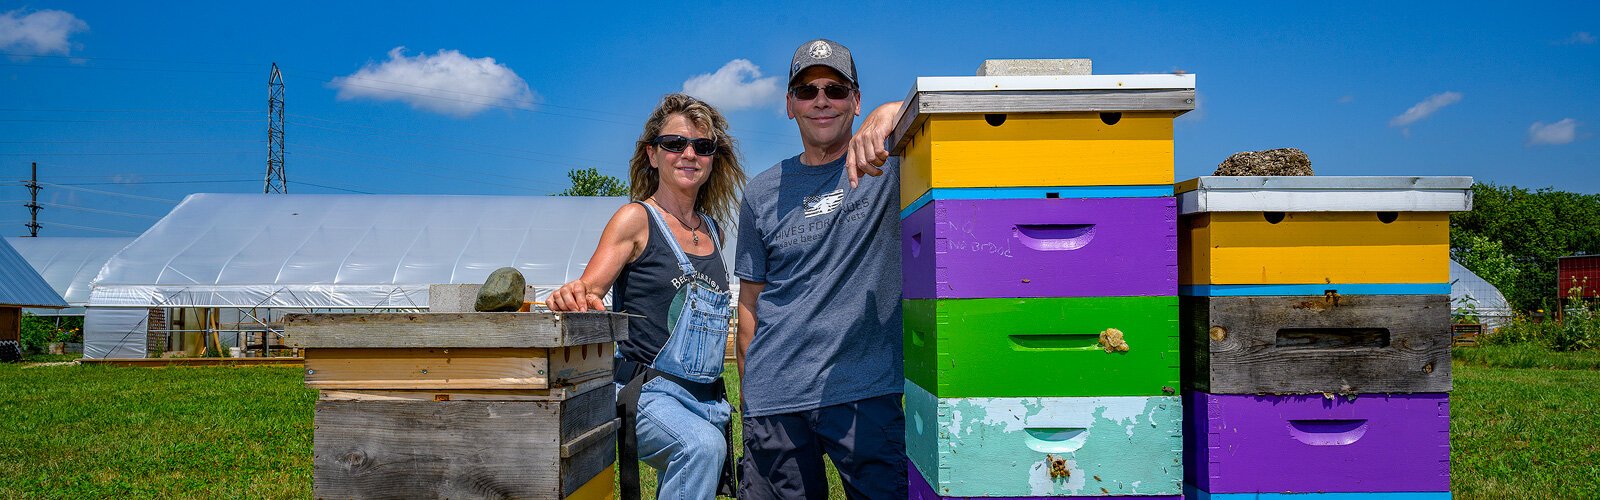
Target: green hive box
(1041,347)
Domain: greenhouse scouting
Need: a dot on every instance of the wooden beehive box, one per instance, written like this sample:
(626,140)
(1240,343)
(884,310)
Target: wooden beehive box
(1043,446)
(1041,346)
(1312,344)
(461,405)
(1317,231)
(1038,130)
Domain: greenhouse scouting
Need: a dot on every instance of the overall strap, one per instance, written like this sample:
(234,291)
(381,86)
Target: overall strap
(683,259)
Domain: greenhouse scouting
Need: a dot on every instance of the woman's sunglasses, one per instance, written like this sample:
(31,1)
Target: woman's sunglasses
(677,143)
(808,92)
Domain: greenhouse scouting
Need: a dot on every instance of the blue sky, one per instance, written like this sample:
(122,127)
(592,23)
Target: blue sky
(129,106)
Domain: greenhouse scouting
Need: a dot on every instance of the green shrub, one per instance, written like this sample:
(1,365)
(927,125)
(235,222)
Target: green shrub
(39,332)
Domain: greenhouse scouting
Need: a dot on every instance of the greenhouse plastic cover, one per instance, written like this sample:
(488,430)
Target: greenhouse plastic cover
(20,285)
(347,251)
(68,264)
(1486,301)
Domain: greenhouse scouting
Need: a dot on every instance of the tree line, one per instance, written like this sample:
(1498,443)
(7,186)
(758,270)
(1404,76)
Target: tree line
(1512,238)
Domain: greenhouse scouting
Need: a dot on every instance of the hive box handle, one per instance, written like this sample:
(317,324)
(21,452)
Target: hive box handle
(918,337)
(1054,237)
(1332,338)
(1328,432)
(1056,439)
(1055,341)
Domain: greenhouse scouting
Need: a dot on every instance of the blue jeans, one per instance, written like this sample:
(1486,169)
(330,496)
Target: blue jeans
(682,438)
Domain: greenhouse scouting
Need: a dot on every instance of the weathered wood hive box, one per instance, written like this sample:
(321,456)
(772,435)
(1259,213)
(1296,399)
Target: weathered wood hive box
(1316,314)
(461,405)
(1037,217)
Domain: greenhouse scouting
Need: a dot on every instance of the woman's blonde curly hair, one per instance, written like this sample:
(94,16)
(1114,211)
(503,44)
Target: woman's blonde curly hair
(719,196)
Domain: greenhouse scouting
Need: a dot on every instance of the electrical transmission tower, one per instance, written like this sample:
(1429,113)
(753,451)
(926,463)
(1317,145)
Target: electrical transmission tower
(33,202)
(276,181)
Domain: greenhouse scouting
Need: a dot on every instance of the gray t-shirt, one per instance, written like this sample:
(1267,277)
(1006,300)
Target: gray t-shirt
(828,322)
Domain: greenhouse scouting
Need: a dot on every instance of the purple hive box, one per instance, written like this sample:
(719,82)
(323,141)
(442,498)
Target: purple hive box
(1236,443)
(918,489)
(1014,248)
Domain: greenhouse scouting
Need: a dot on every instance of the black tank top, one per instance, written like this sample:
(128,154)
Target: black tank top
(645,288)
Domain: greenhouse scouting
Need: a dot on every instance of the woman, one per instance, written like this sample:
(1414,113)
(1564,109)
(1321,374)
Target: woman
(663,252)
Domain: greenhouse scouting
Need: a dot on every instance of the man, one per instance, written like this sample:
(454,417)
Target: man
(819,340)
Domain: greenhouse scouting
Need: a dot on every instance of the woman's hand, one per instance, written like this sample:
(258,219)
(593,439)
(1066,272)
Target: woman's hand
(575,297)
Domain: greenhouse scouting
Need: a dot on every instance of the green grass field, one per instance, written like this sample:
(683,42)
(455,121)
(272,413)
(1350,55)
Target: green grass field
(90,431)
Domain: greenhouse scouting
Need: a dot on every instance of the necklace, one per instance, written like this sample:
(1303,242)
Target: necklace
(693,231)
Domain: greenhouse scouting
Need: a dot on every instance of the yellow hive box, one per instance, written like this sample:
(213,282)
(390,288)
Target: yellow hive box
(1317,230)
(1039,131)
(1038,149)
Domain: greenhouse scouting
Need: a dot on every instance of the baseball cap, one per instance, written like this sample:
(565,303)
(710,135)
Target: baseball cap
(823,52)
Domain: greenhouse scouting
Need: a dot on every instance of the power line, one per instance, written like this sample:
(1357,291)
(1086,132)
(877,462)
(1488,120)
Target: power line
(97,211)
(65,110)
(115,183)
(389,167)
(422,164)
(147,69)
(332,187)
(154,120)
(111,193)
(247,141)
(569,159)
(124,59)
(146,153)
(87,228)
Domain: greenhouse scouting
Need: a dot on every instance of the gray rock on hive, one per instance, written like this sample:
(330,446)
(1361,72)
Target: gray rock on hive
(502,292)
(1282,161)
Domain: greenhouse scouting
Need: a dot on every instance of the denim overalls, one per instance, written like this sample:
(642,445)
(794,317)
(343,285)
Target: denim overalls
(682,413)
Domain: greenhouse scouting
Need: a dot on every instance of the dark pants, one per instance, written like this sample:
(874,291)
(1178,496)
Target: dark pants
(865,439)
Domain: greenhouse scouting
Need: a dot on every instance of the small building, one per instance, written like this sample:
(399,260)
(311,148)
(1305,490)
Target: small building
(1577,278)
(20,286)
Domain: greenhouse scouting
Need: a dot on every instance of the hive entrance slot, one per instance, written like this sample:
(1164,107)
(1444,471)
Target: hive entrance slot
(1332,338)
(995,119)
(1082,341)
(1110,118)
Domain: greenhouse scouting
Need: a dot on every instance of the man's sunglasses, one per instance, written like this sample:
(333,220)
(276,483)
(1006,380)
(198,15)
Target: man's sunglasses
(808,92)
(677,143)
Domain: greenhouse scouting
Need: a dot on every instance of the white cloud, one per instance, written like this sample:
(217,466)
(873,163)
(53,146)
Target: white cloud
(1425,108)
(446,82)
(1580,38)
(1347,99)
(42,32)
(1561,132)
(737,85)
